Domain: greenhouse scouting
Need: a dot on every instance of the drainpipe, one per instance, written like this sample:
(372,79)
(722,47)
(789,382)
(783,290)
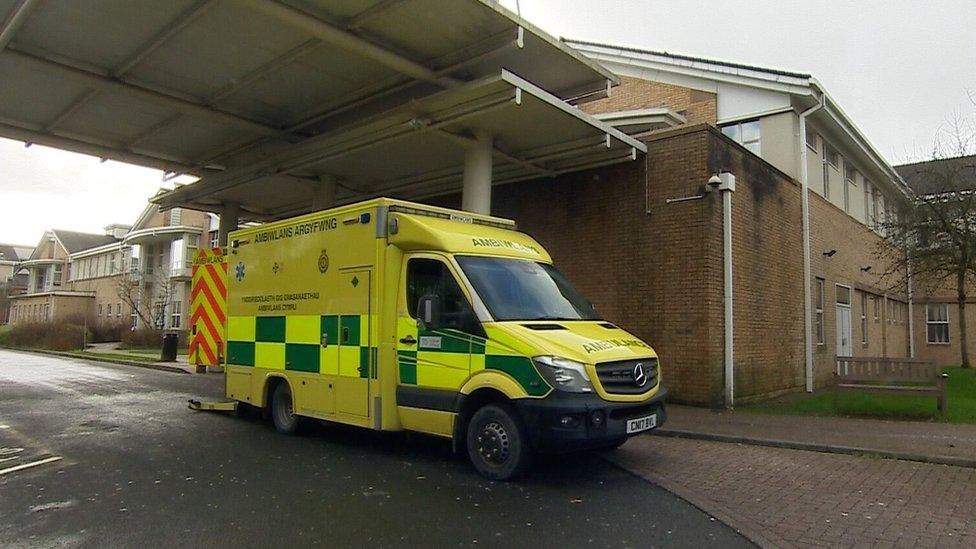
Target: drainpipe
(725,184)
(807,268)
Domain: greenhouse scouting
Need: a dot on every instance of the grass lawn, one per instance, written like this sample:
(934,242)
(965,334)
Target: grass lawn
(122,356)
(151,351)
(961,407)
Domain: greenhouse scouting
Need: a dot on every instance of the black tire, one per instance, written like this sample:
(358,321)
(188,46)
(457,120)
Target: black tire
(282,410)
(497,443)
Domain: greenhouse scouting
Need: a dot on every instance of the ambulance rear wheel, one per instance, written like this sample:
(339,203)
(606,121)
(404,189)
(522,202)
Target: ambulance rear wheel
(497,444)
(283,410)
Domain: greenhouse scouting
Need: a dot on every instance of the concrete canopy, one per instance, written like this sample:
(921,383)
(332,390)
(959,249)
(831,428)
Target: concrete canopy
(417,150)
(215,88)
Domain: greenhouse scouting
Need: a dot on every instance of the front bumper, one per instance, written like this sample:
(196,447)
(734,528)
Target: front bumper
(594,422)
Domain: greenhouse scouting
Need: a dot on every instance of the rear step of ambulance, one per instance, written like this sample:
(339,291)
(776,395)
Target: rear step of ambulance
(213,406)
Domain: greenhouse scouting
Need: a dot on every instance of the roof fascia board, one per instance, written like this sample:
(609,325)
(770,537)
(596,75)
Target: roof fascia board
(785,84)
(755,115)
(841,119)
(162,231)
(57,240)
(145,216)
(110,247)
(801,87)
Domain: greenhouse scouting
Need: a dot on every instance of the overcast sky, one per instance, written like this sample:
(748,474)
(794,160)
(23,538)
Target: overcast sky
(898,68)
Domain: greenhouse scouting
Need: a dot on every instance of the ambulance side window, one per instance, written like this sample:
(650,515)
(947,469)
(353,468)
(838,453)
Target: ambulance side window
(430,276)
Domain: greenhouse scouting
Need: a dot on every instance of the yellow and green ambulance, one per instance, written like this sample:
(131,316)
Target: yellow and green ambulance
(392,315)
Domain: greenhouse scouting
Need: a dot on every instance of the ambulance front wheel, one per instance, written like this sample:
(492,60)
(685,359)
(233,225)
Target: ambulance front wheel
(497,443)
(283,410)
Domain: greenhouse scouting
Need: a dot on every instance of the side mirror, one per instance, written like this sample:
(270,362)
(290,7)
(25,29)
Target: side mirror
(429,311)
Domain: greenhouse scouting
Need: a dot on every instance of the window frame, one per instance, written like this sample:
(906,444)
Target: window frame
(930,323)
(850,180)
(864,319)
(738,125)
(819,292)
(457,276)
(176,314)
(810,132)
(850,296)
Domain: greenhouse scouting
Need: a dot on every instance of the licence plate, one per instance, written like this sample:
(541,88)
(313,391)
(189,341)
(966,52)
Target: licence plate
(639,424)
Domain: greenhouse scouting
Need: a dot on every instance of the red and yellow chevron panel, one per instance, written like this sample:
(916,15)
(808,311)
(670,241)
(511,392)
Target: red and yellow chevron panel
(208,307)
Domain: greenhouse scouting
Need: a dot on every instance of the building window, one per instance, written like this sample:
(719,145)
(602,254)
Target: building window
(47,311)
(811,138)
(112,266)
(850,180)
(149,259)
(819,301)
(213,239)
(175,316)
(864,318)
(99,309)
(937,323)
(58,273)
(118,310)
(877,308)
(829,160)
(843,295)
(868,192)
(177,254)
(746,134)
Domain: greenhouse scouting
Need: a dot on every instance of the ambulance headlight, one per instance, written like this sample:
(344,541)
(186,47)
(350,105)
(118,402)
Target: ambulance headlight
(564,374)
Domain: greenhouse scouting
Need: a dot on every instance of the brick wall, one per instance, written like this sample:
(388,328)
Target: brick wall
(635,93)
(856,247)
(942,354)
(767,272)
(656,269)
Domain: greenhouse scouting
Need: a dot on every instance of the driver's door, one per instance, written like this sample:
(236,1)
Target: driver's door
(433,357)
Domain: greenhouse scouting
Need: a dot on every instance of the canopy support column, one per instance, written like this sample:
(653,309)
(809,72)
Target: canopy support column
(228,221)
(476,190)
(324,193)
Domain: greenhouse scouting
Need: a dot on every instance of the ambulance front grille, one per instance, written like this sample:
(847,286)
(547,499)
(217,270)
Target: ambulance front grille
(619,377)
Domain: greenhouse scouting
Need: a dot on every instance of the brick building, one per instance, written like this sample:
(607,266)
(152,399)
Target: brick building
(13,279)
(137,274)
(645,240)
(937,308)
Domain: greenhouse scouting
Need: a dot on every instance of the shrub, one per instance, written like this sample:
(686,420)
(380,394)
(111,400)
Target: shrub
(44,335)
(142,337)
(103,332)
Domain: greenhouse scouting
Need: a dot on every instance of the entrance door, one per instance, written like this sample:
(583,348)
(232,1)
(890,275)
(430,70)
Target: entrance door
(356,355)
(845,347)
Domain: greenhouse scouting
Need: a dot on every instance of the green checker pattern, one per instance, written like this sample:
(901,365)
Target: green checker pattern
(519,367)
(345,331)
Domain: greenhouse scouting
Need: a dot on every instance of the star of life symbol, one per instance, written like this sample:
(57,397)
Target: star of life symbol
(239,271)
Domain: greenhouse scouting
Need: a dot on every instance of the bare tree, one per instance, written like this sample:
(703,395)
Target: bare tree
(933,241)
(146,295)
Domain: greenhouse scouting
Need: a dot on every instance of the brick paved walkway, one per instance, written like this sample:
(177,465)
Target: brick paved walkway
(787,498)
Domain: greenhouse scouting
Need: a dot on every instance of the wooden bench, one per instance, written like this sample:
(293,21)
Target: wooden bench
(898,376)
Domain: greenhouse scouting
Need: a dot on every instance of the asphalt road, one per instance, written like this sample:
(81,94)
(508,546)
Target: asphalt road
(137,468)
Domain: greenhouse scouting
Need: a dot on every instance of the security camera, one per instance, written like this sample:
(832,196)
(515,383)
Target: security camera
(724,181)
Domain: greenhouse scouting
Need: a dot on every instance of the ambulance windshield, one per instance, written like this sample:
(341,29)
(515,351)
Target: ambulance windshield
(519,289)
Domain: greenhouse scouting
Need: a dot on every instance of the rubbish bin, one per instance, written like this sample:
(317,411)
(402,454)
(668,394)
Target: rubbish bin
(170,342)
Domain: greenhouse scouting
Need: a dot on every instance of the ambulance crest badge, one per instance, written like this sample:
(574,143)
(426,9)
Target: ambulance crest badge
(323,261)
